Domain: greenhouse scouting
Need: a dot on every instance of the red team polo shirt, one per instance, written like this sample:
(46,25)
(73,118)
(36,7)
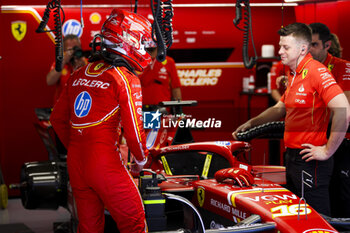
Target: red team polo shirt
(340,69)
(157,81)
(306,99)
(278,69)
(61,83)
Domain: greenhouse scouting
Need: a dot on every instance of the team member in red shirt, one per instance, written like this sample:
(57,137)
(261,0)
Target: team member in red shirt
(69,65)
(277,89)
(321,43)
(160,81)
(278,72)
(340,183)
(99,98)
(311,91)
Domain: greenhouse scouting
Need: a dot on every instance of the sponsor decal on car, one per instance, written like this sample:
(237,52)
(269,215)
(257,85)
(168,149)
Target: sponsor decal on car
(231,196)
(225,207)
(200,196)
(223,143)
(274,199)
(220,205)
(289,210)
(317,230)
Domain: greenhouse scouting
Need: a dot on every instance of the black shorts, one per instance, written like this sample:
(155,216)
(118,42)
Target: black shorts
(340,182)
(317,193)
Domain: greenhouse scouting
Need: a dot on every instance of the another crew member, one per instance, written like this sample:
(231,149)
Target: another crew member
(278,80)
(160,81)
(311,93)
(72,60)
(340,183)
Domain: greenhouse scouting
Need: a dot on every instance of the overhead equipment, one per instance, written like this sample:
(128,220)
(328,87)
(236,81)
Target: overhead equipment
(162,29)
(56,6)
(249,62)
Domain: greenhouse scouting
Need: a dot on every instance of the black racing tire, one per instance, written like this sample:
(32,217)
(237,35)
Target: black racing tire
(271,130)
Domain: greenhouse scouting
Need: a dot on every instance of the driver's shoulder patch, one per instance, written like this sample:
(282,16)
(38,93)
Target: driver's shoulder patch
(97,68)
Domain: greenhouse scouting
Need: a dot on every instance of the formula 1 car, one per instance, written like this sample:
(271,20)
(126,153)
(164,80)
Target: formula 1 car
(192,187)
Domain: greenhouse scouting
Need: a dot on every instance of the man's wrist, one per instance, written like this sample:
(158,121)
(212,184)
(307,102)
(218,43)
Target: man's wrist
(141,163)
(328,152)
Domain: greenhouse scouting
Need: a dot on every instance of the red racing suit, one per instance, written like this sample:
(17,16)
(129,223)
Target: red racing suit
(98,99)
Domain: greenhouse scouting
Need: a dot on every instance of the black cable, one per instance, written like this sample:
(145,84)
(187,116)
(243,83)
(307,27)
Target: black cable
(249,62)
(282,14)
(162,26)
(167,28)
(54,5)
(58,37)
(136,3)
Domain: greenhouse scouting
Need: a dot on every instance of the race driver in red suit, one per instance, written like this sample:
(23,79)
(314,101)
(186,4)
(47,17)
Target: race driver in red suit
(99,98)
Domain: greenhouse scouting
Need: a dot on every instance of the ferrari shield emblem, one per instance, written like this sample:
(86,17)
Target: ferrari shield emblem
(330,67)
(305,73)
(19,29)
(200,196)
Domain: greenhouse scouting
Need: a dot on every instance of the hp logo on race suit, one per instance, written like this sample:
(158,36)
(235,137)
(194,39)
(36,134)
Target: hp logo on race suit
(82,104)
(72,26)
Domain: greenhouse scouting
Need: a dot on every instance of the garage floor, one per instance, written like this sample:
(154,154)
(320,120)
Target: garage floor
(16,219)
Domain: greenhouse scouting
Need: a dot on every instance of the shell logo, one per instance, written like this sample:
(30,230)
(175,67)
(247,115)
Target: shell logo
(319,231)
(95,18)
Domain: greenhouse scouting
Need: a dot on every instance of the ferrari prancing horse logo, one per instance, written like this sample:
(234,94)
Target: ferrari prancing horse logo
(200,196)
(19,29)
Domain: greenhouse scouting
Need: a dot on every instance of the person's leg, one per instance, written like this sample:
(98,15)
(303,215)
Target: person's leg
(340,182)
(125,203)
(90,208)
(318,195)
(292,173)
(90,211)
(317,184)
(119,193)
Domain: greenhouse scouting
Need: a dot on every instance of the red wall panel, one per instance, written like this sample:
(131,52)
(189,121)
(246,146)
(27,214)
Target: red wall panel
(23,87)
